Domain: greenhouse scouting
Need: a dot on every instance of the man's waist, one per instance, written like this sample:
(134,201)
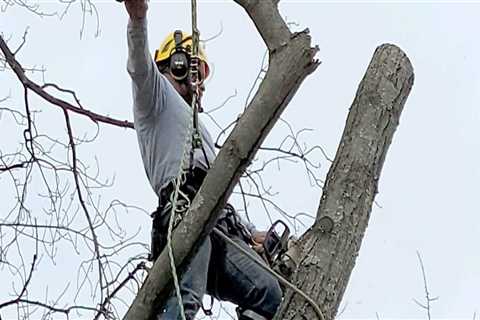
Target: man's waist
(191,182)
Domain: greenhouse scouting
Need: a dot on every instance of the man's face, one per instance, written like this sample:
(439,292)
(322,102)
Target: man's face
(184,89)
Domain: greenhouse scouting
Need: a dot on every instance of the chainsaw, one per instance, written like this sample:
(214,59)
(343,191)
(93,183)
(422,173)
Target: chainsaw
(280,250)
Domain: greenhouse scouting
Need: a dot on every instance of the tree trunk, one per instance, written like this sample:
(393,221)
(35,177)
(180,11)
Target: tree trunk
(328,257)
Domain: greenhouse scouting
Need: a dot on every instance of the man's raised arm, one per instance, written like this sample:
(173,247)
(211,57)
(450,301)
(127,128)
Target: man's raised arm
(141,67)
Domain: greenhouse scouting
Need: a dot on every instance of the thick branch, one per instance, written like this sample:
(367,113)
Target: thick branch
(27,83)
(269,22)
(351,185)
(289,66)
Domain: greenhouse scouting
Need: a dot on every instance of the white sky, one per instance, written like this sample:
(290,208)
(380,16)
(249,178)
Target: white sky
(429,186)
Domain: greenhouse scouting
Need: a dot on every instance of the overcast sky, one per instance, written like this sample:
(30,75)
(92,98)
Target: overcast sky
(428,192)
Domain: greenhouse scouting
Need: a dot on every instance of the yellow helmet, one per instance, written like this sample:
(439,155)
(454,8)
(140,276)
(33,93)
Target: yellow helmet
(168,47)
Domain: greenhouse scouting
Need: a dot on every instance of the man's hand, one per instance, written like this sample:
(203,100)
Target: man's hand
(137,9)
(258,237)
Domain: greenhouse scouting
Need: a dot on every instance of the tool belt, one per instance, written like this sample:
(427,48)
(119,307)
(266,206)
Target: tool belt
(229,222)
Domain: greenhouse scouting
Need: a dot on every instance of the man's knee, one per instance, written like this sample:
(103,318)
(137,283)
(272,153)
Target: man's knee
(273,296)
(267,296)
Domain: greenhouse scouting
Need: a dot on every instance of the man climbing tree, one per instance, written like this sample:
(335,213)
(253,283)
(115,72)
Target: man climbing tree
(328,250)
(167,93)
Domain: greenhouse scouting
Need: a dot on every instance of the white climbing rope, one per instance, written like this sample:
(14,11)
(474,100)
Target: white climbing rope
(179,180)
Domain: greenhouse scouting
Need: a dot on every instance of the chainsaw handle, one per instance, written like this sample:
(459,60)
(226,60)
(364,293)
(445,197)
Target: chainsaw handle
(275,243)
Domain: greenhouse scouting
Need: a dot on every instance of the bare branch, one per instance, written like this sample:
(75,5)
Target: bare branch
(66,185)
(428,299)
(123,283)
(30,85)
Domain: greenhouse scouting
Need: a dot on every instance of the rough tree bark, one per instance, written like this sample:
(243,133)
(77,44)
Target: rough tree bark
(291,60)
(328,258)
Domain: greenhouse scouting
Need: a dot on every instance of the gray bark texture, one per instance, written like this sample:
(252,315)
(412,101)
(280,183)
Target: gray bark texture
(328,258)
(291,61)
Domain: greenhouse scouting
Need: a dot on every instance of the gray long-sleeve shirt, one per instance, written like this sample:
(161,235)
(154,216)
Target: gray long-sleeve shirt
(162,118)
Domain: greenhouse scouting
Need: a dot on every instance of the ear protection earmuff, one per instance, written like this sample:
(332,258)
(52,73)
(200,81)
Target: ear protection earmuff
(179,58)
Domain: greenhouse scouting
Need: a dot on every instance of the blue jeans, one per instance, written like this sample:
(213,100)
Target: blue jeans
(225,273)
